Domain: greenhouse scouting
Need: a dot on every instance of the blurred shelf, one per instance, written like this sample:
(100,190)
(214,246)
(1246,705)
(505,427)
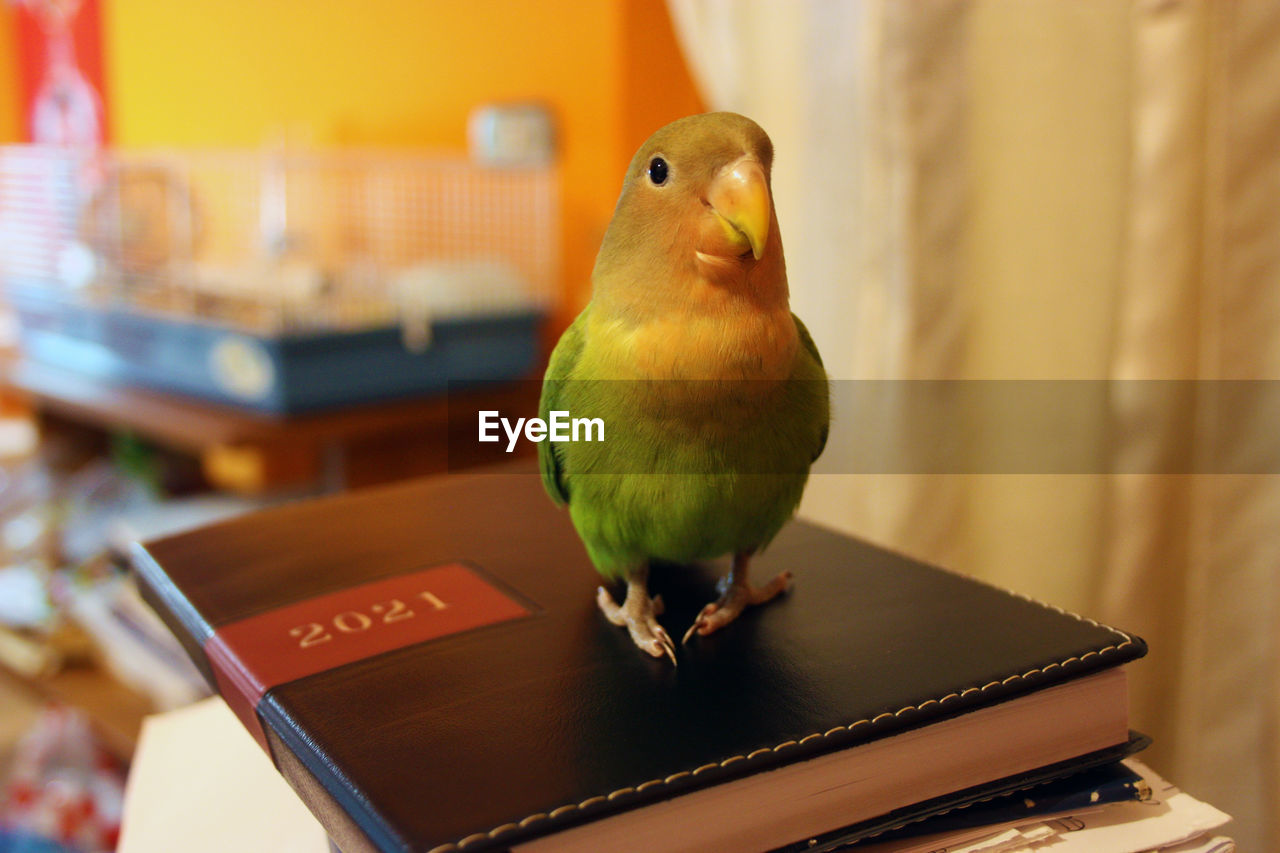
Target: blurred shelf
(250,452)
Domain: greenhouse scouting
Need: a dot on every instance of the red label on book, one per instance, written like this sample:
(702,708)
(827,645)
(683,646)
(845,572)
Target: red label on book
(253,655)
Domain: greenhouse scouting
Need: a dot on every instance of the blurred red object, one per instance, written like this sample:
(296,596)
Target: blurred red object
(63,786)
(60,73)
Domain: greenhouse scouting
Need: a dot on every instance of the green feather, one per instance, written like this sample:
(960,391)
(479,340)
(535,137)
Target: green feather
(566,354)
(806,340)
(688,470)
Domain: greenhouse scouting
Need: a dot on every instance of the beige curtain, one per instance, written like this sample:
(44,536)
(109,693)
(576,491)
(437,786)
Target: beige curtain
(1054,189)
(1194,561)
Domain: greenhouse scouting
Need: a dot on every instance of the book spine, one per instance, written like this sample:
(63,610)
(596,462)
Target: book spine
(173,608)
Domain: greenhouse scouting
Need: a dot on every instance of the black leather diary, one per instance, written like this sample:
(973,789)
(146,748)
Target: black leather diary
(426,665)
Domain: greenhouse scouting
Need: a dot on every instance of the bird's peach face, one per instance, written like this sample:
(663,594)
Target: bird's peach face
(721,214)
(695,220)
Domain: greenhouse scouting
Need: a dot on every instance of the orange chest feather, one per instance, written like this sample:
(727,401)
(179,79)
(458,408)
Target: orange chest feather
(756,345)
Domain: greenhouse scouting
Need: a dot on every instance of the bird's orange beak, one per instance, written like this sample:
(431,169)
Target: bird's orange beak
(739,195)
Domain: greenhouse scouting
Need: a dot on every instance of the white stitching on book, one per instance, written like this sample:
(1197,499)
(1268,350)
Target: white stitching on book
(565,809)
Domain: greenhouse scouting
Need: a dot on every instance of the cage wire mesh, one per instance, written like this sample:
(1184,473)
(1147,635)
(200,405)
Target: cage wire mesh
(276,241)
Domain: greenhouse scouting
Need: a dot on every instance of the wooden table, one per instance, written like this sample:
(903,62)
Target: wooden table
(249,452)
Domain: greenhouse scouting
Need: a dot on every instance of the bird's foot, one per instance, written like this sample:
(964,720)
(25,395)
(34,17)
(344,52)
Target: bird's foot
(639,615)
(737,596)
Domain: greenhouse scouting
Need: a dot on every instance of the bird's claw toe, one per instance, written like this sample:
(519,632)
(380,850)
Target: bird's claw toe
(701,625)
(735,598)
(661,645)
(654,639)
(640,617)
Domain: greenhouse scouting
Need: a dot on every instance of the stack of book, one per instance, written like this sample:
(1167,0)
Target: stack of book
(426,667)
(1117,808)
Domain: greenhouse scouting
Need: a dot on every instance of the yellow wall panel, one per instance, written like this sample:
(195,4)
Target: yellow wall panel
(402,73)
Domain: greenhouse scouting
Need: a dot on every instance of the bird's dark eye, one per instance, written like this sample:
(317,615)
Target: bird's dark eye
(658,171)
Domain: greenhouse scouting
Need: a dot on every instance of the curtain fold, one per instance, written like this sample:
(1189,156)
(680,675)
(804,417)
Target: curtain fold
(912,314)
(1194,561)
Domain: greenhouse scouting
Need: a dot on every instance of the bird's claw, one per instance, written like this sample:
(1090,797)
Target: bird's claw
(736,597)
(702,624)
(641,623)
(653,638)
(668,647)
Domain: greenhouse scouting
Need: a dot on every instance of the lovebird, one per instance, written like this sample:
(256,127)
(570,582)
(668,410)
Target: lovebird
(712,394)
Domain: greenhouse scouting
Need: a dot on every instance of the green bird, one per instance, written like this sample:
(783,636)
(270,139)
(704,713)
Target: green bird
(712,393)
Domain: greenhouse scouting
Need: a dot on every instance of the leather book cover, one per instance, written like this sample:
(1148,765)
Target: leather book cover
(426,665)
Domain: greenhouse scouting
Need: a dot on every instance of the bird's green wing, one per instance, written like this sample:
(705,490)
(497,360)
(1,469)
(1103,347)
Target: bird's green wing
(806,340)
(563,358)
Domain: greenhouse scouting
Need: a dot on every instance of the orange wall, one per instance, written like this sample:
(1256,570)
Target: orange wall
(403,73)
(656,85)
(9,121)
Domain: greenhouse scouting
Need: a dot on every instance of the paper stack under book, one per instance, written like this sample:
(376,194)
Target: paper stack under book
(426,666)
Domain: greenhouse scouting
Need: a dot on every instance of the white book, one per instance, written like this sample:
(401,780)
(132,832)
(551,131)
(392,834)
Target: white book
(235,800)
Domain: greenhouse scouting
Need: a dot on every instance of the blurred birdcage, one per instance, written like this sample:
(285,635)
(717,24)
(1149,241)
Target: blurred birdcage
(226,273)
